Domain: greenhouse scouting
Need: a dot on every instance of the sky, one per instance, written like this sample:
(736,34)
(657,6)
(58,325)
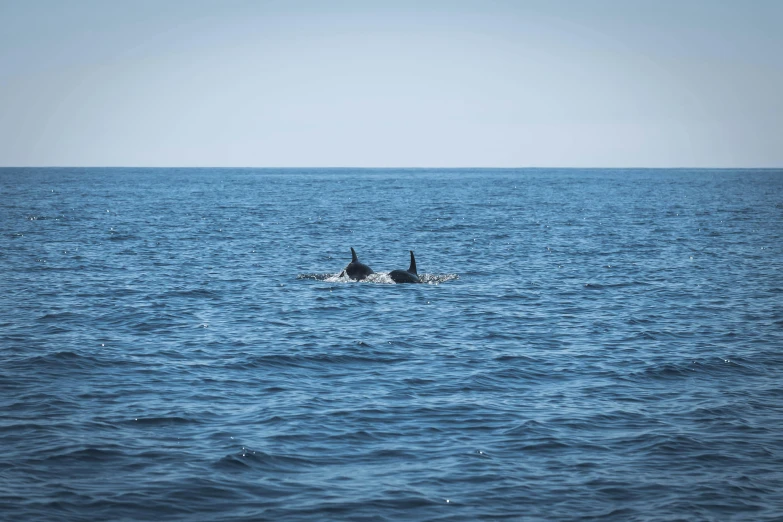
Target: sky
(460,83)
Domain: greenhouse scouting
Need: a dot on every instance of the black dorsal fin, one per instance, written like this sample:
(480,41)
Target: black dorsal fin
(354,259)
(412,269)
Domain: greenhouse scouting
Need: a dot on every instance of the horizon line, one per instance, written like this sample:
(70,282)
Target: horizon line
(372,168)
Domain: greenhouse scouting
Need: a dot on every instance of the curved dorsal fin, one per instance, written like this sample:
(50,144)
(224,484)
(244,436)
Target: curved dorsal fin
(412,269)
(354,259)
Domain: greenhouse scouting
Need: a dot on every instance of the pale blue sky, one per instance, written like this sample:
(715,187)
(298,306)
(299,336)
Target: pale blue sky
(526,83)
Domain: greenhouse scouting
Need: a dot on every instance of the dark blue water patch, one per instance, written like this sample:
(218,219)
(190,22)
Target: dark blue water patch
(59,363)
(592,345)
(316,361)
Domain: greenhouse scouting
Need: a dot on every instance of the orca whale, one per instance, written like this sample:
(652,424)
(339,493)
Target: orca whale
(355,269)
(406,276)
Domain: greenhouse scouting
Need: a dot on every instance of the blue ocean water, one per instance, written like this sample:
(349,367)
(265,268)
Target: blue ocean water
(588,344)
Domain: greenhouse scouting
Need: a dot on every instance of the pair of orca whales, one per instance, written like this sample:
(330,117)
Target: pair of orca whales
(357,271)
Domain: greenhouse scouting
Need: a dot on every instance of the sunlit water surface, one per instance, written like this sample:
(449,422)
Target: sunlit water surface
(176,345)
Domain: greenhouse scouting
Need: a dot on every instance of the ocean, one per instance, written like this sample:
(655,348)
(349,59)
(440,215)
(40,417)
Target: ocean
(176,344)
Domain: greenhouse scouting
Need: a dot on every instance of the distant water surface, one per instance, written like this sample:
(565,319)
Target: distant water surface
(589,344)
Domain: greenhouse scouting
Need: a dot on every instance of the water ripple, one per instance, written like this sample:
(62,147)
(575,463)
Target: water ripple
(595,345)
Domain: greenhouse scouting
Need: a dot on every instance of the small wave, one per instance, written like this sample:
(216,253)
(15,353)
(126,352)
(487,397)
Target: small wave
(59,316)
(121,237)
(248,458)
(65,360)
(162,421)
(436,279)
(197,293)
(529,427)
(318,277)
(505,357)
(142,322)
(667,371)
(86,454)
(714,367)
(314,360)
(62,359)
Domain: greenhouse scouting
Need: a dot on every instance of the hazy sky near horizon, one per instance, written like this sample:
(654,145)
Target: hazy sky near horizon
(527,83)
